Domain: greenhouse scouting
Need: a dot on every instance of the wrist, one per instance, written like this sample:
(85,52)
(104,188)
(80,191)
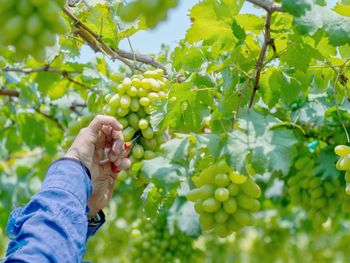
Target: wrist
(91,213)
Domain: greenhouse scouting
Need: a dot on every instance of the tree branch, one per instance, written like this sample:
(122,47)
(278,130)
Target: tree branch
(147,59)
(96,42)
(52,118)
(268,5)
(45,68)
(8,92)
(260,63)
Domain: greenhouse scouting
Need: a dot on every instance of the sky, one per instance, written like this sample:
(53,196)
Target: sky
(169,31)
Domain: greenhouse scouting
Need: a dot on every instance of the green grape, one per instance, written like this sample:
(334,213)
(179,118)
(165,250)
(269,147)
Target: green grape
(132,91)
(222,180)
(251,188)
(143,124)
(233,189)
(222,194)
(342,150)
(122,112)
(114,101)
(134,120)
(149,155)
(128,133)
(34,25)
(194,194)
(207,221)
(147,133)
(230,206)
(125,102)
(221,216)
(135,105)
(144,101)
(137,151)
(149,143)
(207,191)
(211,205)
(136,82)
(343,163)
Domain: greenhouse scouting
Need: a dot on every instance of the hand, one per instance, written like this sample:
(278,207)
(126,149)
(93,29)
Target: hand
(100,146)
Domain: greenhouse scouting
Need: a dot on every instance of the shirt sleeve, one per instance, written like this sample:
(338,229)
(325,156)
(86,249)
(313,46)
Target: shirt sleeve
(53,226)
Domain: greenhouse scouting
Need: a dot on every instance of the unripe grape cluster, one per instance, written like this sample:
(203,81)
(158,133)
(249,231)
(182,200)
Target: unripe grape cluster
(151,241)
(31,25)
(132,104)
(153,10)
(224,199)
(317,196)
(343,163)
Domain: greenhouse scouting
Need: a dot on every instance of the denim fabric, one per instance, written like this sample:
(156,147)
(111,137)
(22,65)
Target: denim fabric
(53,226)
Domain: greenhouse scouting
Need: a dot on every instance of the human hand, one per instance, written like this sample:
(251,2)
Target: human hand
(100,146)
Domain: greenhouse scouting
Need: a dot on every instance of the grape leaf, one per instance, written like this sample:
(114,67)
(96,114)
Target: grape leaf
(297,7)
(176,149)
(212,21)
(271,150)
(183,215)
(337,27)
(163,173)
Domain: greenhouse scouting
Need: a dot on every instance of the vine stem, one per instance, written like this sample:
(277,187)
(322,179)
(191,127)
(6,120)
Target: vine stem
(8,92)
(47,68)
(259,65)
(340,72)
(98,44)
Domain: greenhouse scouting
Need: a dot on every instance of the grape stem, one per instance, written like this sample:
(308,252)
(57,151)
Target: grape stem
(8,92)
(270,7)
(96,42)
(340,73)
(47,68)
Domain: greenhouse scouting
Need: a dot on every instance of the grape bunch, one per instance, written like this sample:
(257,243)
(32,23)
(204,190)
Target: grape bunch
(224,199)
(31,25)
(134,100)
(319,197)
(153,10)
(343,163)
(153,242)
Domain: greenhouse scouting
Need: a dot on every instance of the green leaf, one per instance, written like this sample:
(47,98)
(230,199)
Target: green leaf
(312,112)
(176,149)
(337,27)
(238,31)
(211,142)
(187,58)
(186,107)
(46,80)
(163,173)
(326,163)
(212,21)
(297,7)
(343,10)
(271,150)
(183,215)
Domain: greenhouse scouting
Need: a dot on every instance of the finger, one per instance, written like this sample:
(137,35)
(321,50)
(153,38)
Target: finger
(117,135)
(123,164)
(118,147)
(97,123)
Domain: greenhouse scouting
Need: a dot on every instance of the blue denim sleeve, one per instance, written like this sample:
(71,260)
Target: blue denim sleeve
(53,226)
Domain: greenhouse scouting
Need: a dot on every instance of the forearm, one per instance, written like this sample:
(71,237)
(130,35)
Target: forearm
(52,227)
